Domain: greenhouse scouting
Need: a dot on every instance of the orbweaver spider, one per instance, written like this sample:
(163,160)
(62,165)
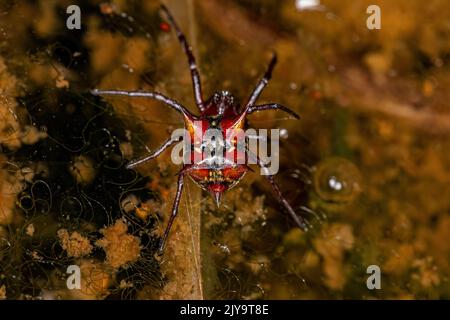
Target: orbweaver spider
(219,112)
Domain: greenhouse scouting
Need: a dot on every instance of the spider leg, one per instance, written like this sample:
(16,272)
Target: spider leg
(196,83)
(176,203)
(262,83)
(300,221)
(154,154)
(153,95)
(272,106)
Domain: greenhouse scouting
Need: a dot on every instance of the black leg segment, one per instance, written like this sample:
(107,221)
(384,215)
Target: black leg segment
(263,82)
(152,95)
(176,203)
(196,83)
(272,106)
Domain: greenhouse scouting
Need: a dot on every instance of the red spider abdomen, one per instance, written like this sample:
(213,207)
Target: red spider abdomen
(218,180)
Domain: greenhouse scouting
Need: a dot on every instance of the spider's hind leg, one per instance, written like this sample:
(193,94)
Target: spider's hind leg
(176,203)
(299,220)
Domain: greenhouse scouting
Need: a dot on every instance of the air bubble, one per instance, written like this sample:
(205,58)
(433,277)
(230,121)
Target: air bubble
(337,179)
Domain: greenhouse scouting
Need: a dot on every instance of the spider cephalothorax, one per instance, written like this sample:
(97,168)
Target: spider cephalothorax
(213,166)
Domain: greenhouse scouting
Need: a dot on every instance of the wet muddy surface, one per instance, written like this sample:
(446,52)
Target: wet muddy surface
(367,163)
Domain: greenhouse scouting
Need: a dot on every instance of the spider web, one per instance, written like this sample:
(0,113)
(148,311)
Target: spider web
(77,181)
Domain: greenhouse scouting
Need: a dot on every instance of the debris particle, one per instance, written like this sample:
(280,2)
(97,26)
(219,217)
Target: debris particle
(124,284)
(120,247)
(129,203)
(61,82)
(95,280)
(251,211)
(107,8)
(2,292)
(126,149)
(31,135)
(75,244)
(10,187)
(427,274)
(30,230)
(146,209)
(36,256)
(82,170)
(331,245)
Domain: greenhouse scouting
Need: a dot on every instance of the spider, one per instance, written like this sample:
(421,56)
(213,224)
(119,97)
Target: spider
(219,112)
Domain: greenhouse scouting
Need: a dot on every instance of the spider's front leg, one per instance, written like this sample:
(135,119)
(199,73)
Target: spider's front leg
(272,106)
(195,75)
(262,83)
(142,94)
(250,106)
(176,203)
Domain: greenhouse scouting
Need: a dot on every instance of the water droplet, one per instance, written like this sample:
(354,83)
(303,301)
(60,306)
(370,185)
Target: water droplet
(337,179)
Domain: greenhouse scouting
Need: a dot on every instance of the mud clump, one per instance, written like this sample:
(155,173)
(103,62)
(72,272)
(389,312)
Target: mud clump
(121,248)
(75,244)
(335,240)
